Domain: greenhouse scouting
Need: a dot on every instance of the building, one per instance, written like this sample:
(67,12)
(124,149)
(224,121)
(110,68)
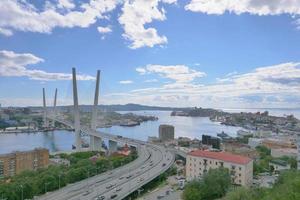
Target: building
(240,149)
(242,133)
(265,180)
(184,141)
(166,132)
(262,133)
(240,167)
(16,162)
(254,142)
(153,139)
(279,165)
(211,141)
(298,148)
(59,161)
(278,143)
(280,152)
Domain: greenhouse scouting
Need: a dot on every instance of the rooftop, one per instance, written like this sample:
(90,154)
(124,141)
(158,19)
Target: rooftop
(227,157)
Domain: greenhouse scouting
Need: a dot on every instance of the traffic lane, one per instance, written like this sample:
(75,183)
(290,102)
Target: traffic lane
(135,178)
(135,184)
(80,186)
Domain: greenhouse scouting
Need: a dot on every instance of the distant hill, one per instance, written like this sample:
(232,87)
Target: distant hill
(119,107)
(135,107)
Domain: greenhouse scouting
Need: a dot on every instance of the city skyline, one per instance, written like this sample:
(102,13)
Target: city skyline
(170,53)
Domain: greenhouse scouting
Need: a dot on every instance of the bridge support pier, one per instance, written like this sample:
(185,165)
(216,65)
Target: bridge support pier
(95,143)
(112,146)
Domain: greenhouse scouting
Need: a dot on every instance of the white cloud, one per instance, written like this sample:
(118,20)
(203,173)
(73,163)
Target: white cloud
(23,16)
(257,7)
(126,82)
(15,65)
(268,86)
(141,70)
(67,4)
(178,73)
(151,81)
(137,13)
(6,32)
(103,30)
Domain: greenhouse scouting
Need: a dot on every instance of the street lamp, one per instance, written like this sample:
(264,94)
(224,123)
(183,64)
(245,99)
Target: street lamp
(87,181)
(22,192)
(46,187)
(59,176)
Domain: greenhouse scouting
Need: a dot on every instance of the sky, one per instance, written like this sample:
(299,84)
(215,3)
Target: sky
(205,53)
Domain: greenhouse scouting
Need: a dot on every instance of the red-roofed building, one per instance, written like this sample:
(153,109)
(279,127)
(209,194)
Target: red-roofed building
(240,167)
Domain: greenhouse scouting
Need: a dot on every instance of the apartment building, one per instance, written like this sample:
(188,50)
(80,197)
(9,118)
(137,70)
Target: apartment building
(199,162)
(16,162)
(166,132)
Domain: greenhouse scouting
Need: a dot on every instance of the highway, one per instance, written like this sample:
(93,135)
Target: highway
(118,183)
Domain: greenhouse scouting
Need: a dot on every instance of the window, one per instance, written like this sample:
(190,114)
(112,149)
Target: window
(222,164)
(216,163)
(240,175)
(240,168)
(1,169)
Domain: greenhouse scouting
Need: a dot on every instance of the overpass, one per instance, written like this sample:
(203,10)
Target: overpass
(152,160)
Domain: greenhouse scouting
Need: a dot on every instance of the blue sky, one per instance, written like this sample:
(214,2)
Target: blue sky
(222,54)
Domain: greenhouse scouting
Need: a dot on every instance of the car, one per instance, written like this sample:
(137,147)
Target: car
(110,186)
(160,197)
(113,196)
(129,176)
(86,193)
(100,198)
(118,189)
(164,164)
(121,177)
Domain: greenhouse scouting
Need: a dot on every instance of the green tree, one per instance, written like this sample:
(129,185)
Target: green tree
(213,185)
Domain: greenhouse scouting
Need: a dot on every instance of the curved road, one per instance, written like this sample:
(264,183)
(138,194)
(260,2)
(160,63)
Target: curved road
(152,161)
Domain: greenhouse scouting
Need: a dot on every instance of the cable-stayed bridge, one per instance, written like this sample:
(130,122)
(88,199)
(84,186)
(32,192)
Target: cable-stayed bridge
(152,160)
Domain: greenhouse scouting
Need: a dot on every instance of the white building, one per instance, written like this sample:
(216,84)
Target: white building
(280,152)
(240,167)
(254,142)
(279,165)
(262,133)
(298,147)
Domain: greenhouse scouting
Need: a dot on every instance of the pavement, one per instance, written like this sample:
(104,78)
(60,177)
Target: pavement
(152,161)
(165,192)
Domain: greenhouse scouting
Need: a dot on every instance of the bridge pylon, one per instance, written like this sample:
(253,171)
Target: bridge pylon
(45,120)
(54,108)
(95,142)
(76,112)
